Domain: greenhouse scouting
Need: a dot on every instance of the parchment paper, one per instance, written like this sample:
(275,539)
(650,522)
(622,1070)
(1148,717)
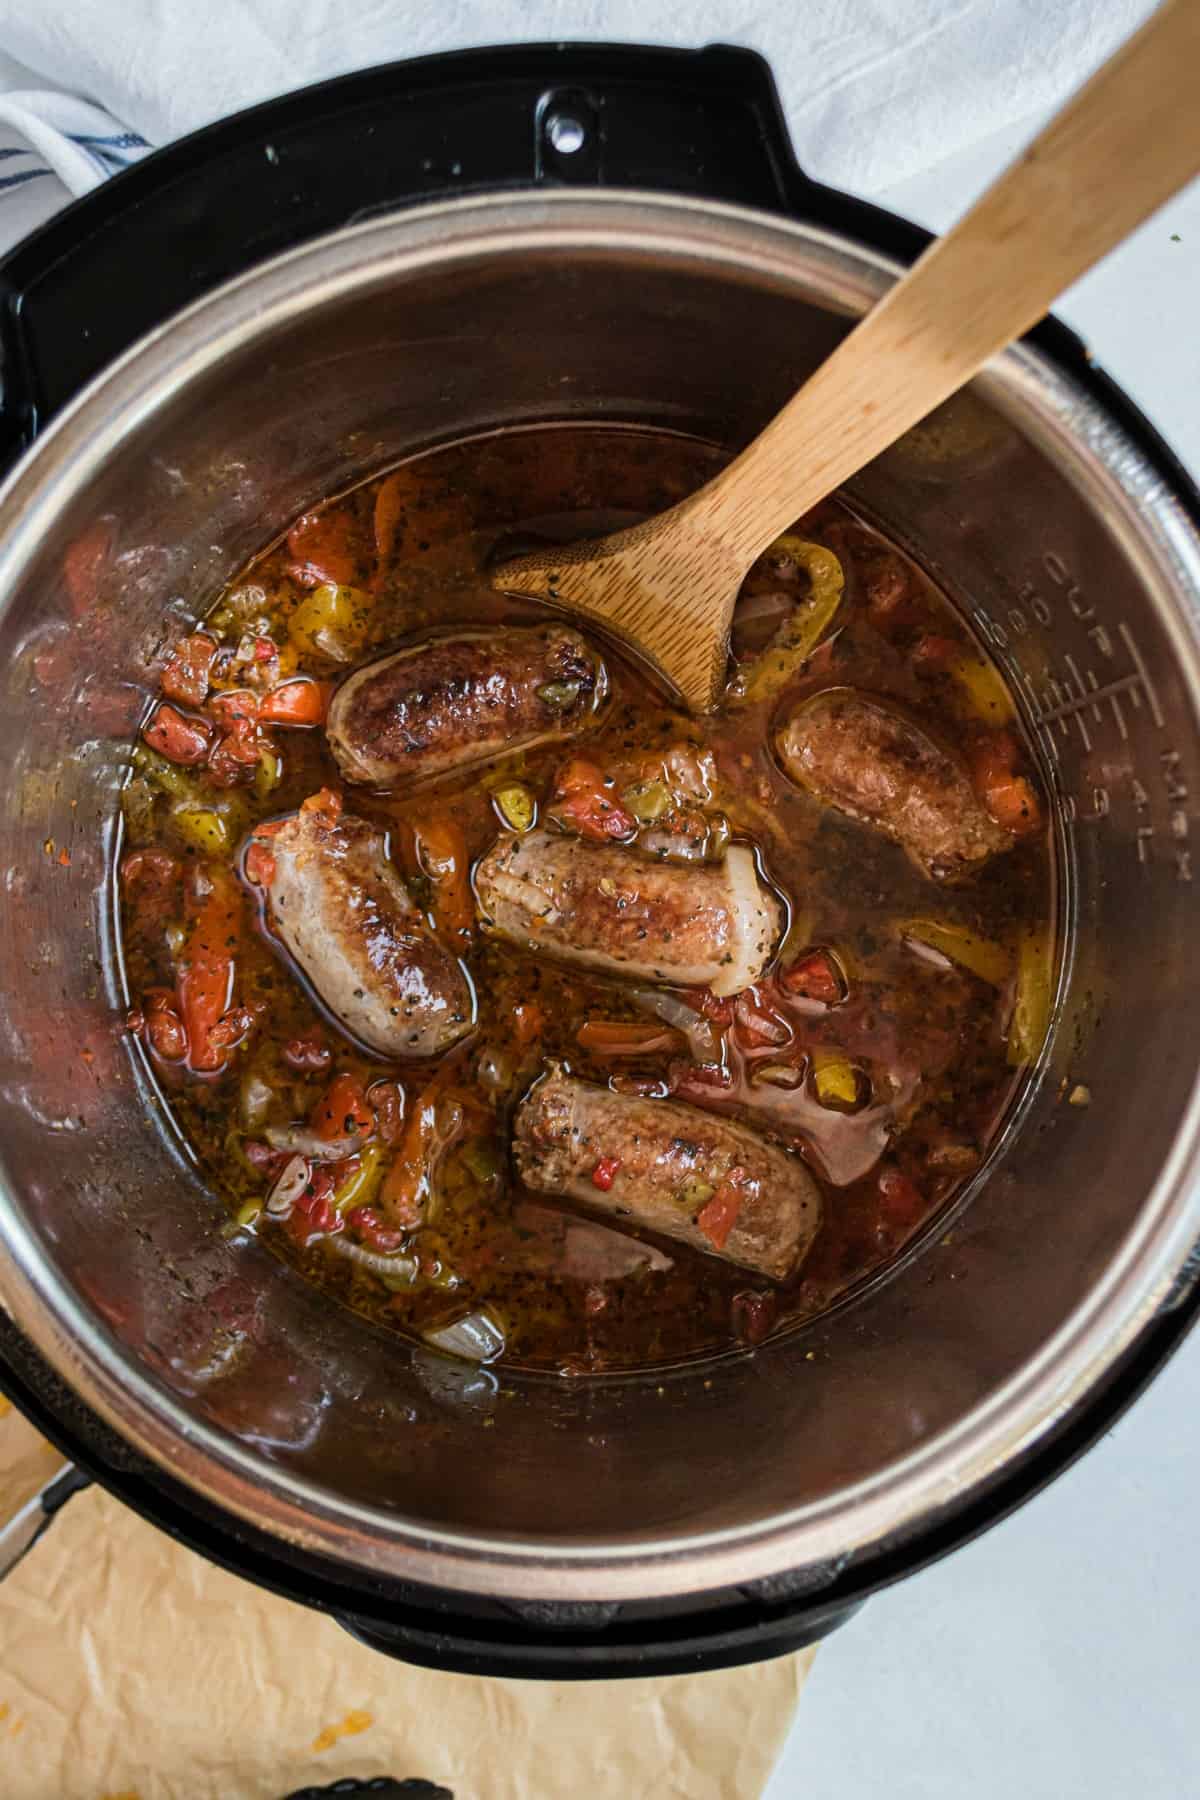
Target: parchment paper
(131,1669)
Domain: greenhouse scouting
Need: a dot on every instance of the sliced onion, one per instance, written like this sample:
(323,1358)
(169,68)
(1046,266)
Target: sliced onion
(937,959)
(255,1101)
(475,1337)
(293,1179)
(702,1040)
(394,1269)
(675,846)
(691,772)
(307,1143)
(770,605)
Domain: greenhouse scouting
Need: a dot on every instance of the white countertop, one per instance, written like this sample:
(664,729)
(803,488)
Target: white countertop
(1054,1658)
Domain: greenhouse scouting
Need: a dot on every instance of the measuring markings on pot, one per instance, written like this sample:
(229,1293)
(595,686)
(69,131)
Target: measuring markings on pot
(1112,692)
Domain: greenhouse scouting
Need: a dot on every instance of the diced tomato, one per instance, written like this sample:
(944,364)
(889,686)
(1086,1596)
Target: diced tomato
(326,804)
(299,703)
(233,1028)
(310,1054)
(932,652)
(85,562)
(322,546)
(1013,804)
(529,1020)
(150,881)
(1008,796)
(180,740)
(265,649)
(700,1082)
(814,977)
(887,586)
(588,803)
(594,815)
(752,1314)
(236,711)
(162,1026)
(604,1172)
(233,761)
(314,1214)
(235,756)
(268,1162)
(387,1097)
(186,676)
(372,1230)
(900,1201)
(718,1216)
(206,974)
(343,1110)
(756,1027)
(710,1006)
(259,864)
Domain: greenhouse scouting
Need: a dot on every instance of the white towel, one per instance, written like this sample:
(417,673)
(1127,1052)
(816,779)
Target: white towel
(874,90)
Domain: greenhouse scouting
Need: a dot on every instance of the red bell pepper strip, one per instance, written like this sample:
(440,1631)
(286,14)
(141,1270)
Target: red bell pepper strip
(207,967)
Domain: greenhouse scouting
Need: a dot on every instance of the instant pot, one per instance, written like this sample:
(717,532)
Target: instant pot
(284,304)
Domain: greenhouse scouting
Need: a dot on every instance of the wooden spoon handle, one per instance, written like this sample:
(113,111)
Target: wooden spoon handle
(1124,145)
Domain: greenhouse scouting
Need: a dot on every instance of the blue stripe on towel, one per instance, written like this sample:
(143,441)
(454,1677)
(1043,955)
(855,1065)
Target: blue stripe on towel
(125,140)
(14,181)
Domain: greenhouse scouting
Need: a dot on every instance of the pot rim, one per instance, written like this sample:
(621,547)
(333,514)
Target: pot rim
(950,1468)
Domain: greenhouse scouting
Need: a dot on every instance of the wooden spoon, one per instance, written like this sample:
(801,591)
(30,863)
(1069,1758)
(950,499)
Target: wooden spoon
(1117,151)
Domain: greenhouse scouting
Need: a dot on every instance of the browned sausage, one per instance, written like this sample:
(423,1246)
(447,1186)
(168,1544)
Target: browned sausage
(339,907)
(882,769)
(459,700)
(672,1168)
(607,907)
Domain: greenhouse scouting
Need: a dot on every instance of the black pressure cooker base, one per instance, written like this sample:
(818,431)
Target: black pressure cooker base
(208,208)
(474,1635)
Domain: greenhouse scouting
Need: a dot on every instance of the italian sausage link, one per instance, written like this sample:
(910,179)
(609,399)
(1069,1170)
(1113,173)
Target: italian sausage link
(340,909)
(456,701)
(607,907)
(672,1168)
(881,769)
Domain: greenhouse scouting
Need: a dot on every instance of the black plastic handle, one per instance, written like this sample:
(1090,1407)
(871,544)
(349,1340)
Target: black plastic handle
(120,261)
(383,1787)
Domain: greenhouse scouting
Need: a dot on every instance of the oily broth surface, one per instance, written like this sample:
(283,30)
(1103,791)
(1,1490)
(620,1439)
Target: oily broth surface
(573,1294)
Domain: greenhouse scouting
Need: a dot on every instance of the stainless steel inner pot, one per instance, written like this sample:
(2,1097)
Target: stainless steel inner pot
(1071,557)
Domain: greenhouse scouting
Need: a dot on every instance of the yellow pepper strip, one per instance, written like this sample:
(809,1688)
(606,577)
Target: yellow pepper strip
(516,805)
(359,1188)
(801,631)
(328,622)
(202,828)
(1035,993)
(980,956)
(983,694)
(269,772)
(165,776)
(835,1079)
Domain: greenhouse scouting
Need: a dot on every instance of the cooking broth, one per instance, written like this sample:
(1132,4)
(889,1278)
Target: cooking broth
(900,1010)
